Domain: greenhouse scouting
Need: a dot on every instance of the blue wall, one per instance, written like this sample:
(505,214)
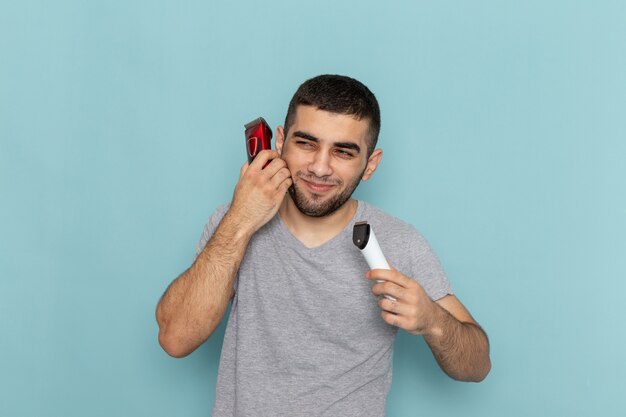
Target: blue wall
(504,134)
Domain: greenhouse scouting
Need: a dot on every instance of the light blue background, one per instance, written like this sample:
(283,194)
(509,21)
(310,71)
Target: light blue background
(504,128)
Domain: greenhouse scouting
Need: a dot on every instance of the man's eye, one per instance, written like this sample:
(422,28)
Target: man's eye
(344,154)
(304,144)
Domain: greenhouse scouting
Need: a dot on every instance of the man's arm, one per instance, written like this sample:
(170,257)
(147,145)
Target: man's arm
(459,345)
(194,304)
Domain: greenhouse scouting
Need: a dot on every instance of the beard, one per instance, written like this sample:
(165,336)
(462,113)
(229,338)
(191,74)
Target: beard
(315,206)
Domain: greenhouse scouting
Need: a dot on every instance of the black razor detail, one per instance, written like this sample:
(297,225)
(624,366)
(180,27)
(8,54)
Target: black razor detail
(361,234)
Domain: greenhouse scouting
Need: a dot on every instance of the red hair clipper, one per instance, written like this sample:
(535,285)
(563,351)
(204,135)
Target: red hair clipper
(258,137)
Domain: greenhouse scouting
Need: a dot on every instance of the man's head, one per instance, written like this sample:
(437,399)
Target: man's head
(328,142)
(341,95)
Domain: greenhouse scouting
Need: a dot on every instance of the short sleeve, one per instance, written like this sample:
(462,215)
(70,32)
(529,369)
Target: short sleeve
(210,227)
(426,268)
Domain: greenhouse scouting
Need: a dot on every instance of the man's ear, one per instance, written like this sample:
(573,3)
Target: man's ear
(372,163)
(280,139)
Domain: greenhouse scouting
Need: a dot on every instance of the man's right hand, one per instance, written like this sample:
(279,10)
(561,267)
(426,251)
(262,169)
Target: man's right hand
(260,191)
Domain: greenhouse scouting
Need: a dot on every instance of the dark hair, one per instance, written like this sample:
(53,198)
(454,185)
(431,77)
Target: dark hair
(338,94)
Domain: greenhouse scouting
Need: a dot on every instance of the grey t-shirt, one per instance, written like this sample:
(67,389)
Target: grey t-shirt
(305,336)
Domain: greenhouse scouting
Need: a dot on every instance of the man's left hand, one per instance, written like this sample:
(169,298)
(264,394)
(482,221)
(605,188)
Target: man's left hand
(412,311)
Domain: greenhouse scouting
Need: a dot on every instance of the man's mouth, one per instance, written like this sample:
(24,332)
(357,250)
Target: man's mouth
(318,187)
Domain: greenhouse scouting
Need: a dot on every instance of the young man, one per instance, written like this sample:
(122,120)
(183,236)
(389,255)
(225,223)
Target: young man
(309,333)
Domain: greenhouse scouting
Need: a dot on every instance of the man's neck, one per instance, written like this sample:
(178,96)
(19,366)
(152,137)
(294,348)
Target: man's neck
(315,231)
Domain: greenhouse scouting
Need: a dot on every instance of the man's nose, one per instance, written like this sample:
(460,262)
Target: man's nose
(320,165)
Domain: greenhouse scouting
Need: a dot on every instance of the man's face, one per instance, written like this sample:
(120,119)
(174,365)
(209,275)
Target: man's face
(327,156)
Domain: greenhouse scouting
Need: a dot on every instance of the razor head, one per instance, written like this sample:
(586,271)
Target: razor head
(361,234)
(254,123)
(258,137)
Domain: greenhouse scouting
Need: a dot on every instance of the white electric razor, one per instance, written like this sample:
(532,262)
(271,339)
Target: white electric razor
(364,238)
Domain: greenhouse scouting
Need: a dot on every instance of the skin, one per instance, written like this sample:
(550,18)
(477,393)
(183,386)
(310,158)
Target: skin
(320,160)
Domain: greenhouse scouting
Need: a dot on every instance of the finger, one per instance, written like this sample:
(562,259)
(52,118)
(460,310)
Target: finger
(280,176)
(389,288)
(284,186)
(390,275)
(262,157)
(395,320)
(397,307)
(274,166)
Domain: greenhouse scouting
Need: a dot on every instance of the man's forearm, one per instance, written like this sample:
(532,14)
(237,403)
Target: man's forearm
(461,349)
(194,304)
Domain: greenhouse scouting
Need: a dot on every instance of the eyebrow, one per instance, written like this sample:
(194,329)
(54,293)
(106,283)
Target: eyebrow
(345,145)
